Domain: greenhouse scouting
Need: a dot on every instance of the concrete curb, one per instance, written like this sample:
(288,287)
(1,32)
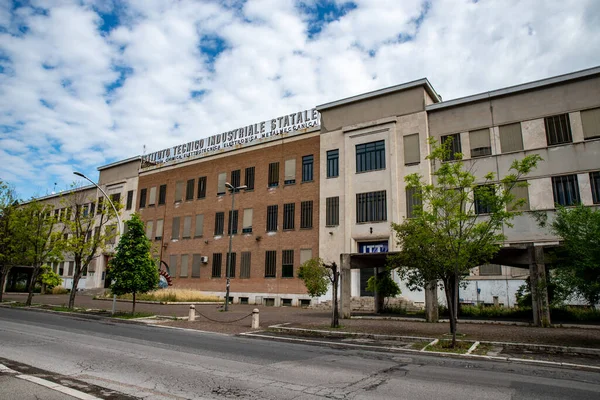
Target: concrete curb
(168,303)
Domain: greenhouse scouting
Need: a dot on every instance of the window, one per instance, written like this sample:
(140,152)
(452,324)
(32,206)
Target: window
(86,210)
(305,255)
(289,172)
(129,203)
(178,191)
(232,265)
(189,189)
(511,137)
(249,181)
(490,269)
(413,202)
(172,265)
(187,227)
(202,187)
(274,174)
(142,201)
(111,233)
(247,221)
(196,263)
(216,265)
(149,228)
(332,211)
(595,182)
(159,229)
(232,226)
(115,198)
(484,198)
(307,168)
(245,265)
(520,192)
(272,218)
(566,190)
(412,151)
(270,264)
(93,206)
(480,143)
(306,214)
(71,265)
(61,268)
(333,163)
(558,129)
(183,269)
(152,197)
(288,215)
(235,178)
(287,266)
(199,230)
(175,229)
(454,146)
(371,206)
(219,223)
(370,156)
(162,195)
(221,183)
(590,120)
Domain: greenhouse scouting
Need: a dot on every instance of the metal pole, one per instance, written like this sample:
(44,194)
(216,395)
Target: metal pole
(228,272)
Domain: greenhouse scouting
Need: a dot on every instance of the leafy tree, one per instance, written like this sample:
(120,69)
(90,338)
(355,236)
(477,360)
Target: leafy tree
(384,285)
(48,278)
(10,248)
(556,291)
(447,236)
(317,276)
(132,269)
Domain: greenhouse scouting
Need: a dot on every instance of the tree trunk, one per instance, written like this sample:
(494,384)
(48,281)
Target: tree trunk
(335,319)
(73,291)
(31,285)
(133,309)
(43,290)
(455,316)
(448,289)
(2,281)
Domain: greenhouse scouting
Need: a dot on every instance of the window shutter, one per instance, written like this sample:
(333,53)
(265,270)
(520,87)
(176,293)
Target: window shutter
(187,227)
(511,138)
(152,197)
(305,255)
(199,225)
(290,170)
(149,227)
(520,193)
(480,142)
(179,191)
(221,183)
(590,119)
(196,262)
(172,265)
(175,229)
(159,228)
(183,271)
(247,222)
(412,154)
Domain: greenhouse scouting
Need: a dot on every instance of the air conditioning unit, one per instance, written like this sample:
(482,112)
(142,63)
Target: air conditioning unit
(204,259)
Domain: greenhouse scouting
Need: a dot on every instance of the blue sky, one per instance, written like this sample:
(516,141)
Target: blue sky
(87,82)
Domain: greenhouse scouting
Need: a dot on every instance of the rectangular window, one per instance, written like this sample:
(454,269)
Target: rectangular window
(288,215)
(490,269)
(111,233)
(172,265)
(333,163)
(199,230)
(189,189)
(249,179)
(307,168)
(245,264)
(454,146)
(480,143)
(270,264)
(202,187)
(289,172)
(370,156)
(558,129)
(142,201)
(247,222)
(152,197)
(590,120)
(235,178)
(595,183)
(71,265)
(332,211)
(221,183)
(511,137)
(371,206)
(179,191)
(219,223)
(129,203)
(232,265)
(305,255)
(159,229)
(183,270)
(306,214)
(413,202)
(520,192)
(61,268)
(232,223)
(272,212)
(162,195)
(216,265)
(274,174)
(565,190)
(175,229)
(483,197)
(149,228)
(287,264)
(187,227)
(412,151)
(196,263)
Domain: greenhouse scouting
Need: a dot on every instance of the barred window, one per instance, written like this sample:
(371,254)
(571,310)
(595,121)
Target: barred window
(175,229)
(333,163)
(370,156)
(272,212)
(332,211)
(178,191)
(455,146)
(287,267)
(249,181)
(288,215)
(235,178)
(595,182)
(142,200)
(413,202)
(558,129)
(270,264)
(245,264)
(306,214)
(189,189)
(219,223)
(483,199)
(371,206)
(232,265)
(216,265)
(307,168)
(232,226)
(196,263)
(162,195)
(565,190)
(129,201)
(274,174)
(202,187)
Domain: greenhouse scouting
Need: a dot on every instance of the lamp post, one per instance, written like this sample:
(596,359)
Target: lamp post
(114,304)
(228,272)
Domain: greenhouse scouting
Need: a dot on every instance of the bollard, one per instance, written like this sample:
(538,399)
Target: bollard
(192,317)
(255,321)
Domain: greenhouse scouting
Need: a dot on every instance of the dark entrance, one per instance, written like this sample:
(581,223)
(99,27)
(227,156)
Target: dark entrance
(107,281)
(365,274)
(18,279)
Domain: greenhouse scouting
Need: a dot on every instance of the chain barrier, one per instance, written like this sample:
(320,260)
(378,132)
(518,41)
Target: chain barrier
(223,322)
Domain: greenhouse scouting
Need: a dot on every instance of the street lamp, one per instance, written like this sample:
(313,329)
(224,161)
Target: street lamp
(228,272)
(114,304)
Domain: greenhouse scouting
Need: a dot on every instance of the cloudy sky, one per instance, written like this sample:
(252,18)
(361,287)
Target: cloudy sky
(87,82)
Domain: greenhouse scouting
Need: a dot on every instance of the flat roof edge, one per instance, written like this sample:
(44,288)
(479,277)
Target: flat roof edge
(121,162)
(61,193)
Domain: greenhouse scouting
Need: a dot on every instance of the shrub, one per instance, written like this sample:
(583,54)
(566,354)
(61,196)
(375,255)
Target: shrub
(59,290)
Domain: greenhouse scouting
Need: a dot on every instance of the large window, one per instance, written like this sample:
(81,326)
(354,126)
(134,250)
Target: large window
(179,191)
(566,190)
(480,143)
(173,265)
(247,220)
(595,182)
(454,146)
(332,211)
(272,212)
(236,178)
(129,203)
(232,265)
(152,197)
(142,200)
(370,156)
(221,180)
(159,229)
(216,265)
(412,151)
(288,216)
(590,119)
(232,226)
(249,181)
(245,264)
(306,214)
(289,172)
(175,229)
(371,206)
(149,228)
(187,227)
(511,137)
(287,267)
(219,223)
(270,264)
(199,230)
(558,129)
(274,174)
(202,187)
(196,263)
(183,269)
(333,163)
(162,195)
(189,189)
(519,193)
(307,168)
(413,202)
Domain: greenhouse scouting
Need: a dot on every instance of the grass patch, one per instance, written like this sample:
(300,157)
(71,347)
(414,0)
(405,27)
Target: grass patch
(419,345)
(445,347)
(62,309)
(126,315)
(482,349)
(171,295)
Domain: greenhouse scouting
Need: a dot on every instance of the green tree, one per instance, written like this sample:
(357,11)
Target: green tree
(448,236)
(133,269)
(10,246)
(383,285)
(48,278)
(317,276)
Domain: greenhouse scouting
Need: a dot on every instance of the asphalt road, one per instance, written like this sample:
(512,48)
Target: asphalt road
(160,363)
